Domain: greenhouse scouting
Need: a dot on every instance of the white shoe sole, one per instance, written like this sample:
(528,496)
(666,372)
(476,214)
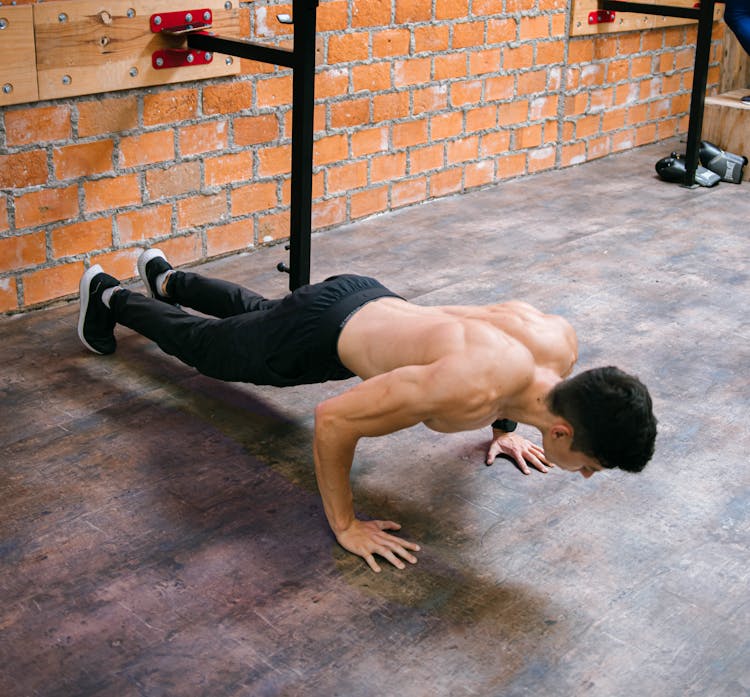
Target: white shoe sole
(85,290)
(147,256)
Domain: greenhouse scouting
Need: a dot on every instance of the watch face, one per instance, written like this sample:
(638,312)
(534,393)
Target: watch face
(505,425)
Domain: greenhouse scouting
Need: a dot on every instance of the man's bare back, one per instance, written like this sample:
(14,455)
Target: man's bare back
(390,333)
(481,356)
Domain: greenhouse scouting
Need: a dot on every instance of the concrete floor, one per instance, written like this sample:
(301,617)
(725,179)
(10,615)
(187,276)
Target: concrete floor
(161,534)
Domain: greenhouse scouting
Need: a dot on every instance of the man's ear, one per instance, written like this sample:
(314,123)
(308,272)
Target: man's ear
(561,429)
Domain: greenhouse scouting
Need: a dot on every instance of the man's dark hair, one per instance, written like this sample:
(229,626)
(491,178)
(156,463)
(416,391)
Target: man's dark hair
(611,415)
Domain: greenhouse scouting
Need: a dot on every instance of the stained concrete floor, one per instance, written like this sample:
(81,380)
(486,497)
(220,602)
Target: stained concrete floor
(161,534)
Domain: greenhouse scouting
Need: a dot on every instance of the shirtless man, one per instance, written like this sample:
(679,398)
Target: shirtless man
(453,368)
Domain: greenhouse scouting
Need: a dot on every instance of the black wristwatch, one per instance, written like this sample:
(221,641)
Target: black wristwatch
(505,425)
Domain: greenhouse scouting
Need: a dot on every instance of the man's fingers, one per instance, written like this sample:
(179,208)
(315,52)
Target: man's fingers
(389,550)
(394,542)
(536,462)
(391,557)
(399,545)
(518,458)
(539,453)
(522,464)
(544,459)
(521,451)
(368,538)
(387,525)
(398,549)
(390,546)
(532,455)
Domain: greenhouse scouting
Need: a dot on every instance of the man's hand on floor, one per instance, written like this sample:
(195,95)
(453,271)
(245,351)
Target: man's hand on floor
(367,538)
(522,451)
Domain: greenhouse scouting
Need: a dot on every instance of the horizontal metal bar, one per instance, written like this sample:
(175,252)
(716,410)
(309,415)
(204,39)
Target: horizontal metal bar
(242,49)
(647,9)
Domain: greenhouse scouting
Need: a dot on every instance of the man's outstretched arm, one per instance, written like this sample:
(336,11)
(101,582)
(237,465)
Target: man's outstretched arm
(450,394)
(381,405)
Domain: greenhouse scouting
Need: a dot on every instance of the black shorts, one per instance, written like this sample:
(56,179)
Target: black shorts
(301,333)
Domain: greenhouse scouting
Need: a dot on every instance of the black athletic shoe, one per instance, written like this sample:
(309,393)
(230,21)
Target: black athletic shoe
(151,263)
(96,324)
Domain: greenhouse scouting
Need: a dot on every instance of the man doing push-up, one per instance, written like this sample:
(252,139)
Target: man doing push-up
(452,368)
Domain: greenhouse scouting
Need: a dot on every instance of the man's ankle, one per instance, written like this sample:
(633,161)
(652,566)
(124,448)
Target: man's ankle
(107,294)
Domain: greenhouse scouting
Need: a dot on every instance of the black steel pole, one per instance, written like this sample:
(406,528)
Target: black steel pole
(303,102)
(698,96)
(302,62)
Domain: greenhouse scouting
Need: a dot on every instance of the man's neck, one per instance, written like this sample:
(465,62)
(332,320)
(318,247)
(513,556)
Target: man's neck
(530,407)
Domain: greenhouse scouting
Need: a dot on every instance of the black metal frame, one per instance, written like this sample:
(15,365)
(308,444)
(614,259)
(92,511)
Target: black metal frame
(301,59)
(705,16)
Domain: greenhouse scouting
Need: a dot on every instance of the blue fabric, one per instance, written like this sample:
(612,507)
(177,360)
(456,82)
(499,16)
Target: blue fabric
(737,17)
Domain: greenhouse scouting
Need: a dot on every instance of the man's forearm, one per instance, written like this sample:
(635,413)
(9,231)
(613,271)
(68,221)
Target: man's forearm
(333,457)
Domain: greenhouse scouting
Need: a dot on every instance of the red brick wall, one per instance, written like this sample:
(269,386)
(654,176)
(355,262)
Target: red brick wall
(416,99)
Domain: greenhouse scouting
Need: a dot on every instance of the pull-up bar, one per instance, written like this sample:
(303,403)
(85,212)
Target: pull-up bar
(301,59)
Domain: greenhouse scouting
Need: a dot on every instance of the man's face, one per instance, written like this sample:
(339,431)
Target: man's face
(558,450)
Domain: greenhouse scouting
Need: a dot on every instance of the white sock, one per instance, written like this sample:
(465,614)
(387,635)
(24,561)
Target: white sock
(161,283)
(107,294)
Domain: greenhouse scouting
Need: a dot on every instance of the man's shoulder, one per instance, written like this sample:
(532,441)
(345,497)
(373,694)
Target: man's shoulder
(549,340)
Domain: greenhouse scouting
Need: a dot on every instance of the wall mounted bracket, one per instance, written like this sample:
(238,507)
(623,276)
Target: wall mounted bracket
(181,22)
(179,58)
(601,17)
(97,46)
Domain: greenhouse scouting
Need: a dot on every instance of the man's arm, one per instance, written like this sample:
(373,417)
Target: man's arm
(378,406)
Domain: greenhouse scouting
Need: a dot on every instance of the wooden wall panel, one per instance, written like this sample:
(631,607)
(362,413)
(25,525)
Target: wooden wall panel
(17,59)
(92,46)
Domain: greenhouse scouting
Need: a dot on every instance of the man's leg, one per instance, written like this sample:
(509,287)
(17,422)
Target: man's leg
(207,295)
(227,349)
(213,296)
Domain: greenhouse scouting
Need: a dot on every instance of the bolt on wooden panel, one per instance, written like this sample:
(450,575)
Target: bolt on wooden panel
(17,58)
(87,46)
